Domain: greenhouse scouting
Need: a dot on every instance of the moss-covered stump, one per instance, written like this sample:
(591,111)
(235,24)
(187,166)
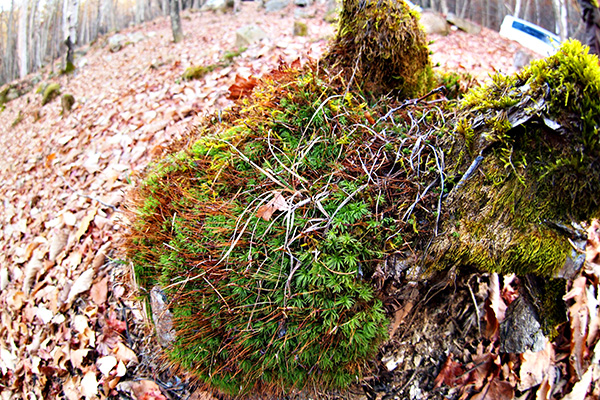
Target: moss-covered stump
(525,166)
(381,48)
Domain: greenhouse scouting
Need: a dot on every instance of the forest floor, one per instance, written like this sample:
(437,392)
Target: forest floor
(71,325)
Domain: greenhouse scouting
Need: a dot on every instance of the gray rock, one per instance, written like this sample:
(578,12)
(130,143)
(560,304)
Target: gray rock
(303,3)
(116,42)
(276,5)
(463,24)
(434,23)
(136,37)
(521,329)
(304,12)
(215,5)
(12,94)
(248,34)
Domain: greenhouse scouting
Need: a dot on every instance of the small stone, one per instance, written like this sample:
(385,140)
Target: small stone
(116,42)
(247,35)
(434,22)
(276,5)
(463,24)
(521,329)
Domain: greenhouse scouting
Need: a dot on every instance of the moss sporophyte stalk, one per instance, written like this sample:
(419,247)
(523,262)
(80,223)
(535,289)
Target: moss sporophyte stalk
(265,225)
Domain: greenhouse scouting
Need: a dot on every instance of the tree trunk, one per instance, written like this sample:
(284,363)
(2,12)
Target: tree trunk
(517,12)
(591,18)
(70,20)
(560,18)
(22,40)
(176,21)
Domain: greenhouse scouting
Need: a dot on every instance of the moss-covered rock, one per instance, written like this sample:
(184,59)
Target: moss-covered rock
(300,28)
(381,47)
(51,91)
(67,102)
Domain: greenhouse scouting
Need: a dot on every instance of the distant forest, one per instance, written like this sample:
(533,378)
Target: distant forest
(33,33)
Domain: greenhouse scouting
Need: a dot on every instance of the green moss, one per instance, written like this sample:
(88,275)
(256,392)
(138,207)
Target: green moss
(536,136)
(69,68)
(50,93)
(381,47)
(268,304)
(300,28)
(197,72)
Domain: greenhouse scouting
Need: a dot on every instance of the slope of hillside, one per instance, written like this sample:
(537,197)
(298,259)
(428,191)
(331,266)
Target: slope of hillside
(70,326)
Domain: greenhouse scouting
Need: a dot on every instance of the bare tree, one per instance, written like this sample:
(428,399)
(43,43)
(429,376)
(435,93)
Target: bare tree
(70,20)
(176,21)
(22,40)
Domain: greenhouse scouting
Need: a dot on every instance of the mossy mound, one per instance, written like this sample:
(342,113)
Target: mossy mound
(67,102)
(525,166)
(264,228)
(381,47)
(50,92)
(197,72)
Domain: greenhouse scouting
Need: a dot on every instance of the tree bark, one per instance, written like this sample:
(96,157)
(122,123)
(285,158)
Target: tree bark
(70,20)
(591,18)
(176,21)
(22,40)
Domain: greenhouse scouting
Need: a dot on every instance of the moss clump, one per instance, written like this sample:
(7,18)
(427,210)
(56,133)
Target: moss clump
(531,142)
(300,28)
(67,102)
(69,68)
(264,229)
(382,48)
(51,91)
(197,72)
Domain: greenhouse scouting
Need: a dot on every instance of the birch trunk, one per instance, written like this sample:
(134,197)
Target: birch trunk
(70,20)
(176,22)
(22,40)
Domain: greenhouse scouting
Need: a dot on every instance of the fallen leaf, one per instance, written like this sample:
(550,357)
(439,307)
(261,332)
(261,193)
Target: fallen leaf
(578,318)
(496,390)
(106,364)
(31,269)
(450,374)
(43,314)
(77,356)
(81,284)
(99,291)
(592,249)
(277,203)
(141,390)
(89,385)
(121,369)
(535,367)
(58,241)
(125,354)
(85,223)
(242,87)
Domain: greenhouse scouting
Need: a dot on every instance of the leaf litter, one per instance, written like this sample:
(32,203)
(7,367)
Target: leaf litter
(71,329)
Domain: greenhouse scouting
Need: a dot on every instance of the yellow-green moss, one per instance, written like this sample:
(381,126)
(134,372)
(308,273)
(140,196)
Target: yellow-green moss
(50,93)
(536,135)
(300,28)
